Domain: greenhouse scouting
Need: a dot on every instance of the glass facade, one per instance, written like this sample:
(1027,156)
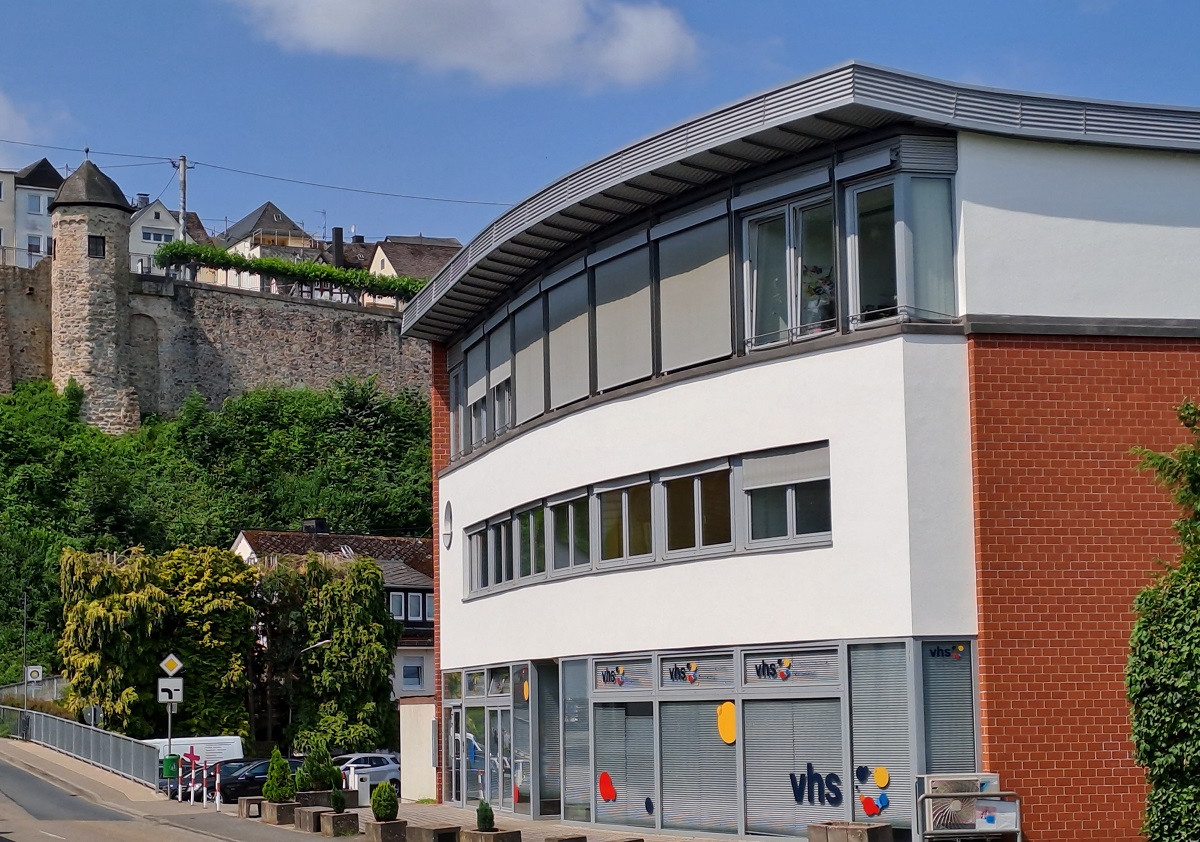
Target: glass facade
(747,741)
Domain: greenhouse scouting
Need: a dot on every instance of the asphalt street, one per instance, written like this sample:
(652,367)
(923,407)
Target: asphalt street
(35,810)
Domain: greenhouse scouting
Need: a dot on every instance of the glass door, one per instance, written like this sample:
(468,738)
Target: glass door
(453,756)
(499,758)
(474,755)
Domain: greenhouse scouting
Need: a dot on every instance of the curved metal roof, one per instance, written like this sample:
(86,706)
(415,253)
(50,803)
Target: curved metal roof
(806,114)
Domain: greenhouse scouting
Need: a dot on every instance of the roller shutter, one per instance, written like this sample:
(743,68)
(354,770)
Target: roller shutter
(569,353)
(623,320)
(625,752)
(879,729)
(783,739)
(696,315)
(577,757)
(949,707)
(699,770)
(530,363)
(549,741)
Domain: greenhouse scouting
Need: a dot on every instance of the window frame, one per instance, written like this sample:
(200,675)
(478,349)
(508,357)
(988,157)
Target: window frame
(392,604)
(570,500)
(906,280)
(430,609)
(788,209)
(34,204)
(32,247)
(528,511)
(408,598)
(623,487)
(791,538)
(94,240)
(699,549)
(412,662)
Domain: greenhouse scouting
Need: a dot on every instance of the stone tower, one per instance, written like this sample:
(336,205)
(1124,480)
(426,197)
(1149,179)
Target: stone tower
(89,302)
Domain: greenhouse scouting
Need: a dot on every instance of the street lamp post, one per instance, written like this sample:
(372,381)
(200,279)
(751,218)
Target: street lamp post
(24,652)
(291,671)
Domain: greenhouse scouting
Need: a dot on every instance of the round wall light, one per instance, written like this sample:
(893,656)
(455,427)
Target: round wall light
(447,525)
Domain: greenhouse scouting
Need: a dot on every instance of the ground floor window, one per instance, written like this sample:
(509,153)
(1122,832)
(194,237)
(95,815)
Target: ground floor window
(699,767)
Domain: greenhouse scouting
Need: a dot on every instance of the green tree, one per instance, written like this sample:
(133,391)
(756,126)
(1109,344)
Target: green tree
(346,695)
(1163,674)
(279,788)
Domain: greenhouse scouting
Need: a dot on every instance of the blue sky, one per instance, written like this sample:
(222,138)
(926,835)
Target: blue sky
(489,100)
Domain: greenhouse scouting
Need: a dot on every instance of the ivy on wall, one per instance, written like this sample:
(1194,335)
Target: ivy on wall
(1163,674)
(179,253)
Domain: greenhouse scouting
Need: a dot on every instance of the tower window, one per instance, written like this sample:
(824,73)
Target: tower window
(95,246)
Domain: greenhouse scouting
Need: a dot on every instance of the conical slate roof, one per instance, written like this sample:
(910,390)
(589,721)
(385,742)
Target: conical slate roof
(89,186)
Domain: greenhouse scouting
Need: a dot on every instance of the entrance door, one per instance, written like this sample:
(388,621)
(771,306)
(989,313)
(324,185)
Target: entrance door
(499,758)
(452,756)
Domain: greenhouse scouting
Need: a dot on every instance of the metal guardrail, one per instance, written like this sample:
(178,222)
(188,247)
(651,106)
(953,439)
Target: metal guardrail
(116,753)
(50,689)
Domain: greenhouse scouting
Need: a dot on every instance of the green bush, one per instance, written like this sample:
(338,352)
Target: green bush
(1163,674)
(279,787)
(384,805)
(320,769)
(485,819)
(304,783)
(337,800)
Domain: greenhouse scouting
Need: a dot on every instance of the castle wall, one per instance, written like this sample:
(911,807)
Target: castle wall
(24,324)
(224,341)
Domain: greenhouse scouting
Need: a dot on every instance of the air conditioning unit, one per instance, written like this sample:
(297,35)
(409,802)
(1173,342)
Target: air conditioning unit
(960,811)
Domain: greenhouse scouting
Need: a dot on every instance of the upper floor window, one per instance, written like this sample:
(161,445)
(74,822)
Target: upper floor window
(33,244)
(33,203)
(791,272)
(95,246)
(787,494)
(625,522)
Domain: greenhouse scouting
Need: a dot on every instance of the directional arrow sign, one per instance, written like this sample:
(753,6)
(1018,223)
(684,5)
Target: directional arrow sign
(170,690)
(171,664)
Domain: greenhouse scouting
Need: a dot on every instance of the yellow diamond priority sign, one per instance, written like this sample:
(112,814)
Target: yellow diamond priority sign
(171,664)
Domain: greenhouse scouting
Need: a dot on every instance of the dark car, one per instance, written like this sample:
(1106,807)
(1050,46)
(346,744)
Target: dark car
(244,780)
(170,786)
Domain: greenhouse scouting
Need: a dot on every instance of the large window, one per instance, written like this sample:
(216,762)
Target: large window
(477,409)
(623,343)
(499,344)
(412,673)
(530,363)
(694,299)
(670,515)
(569,352)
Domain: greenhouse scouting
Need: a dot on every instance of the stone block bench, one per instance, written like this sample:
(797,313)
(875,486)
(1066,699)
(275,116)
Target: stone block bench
(449,833)
(308,819)
(246,803)
(339,824)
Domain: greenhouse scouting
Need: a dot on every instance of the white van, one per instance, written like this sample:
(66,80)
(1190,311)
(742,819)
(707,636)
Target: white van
(210,749)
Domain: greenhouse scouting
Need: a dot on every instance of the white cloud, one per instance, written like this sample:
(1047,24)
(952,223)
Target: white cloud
(593,43)
(15,126)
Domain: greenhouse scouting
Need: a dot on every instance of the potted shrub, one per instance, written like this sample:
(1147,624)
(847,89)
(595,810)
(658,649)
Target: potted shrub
(485,828)
(384,807)
(320,775)
(339,822)
(279,792)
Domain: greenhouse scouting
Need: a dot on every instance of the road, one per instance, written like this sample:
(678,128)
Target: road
(34,810)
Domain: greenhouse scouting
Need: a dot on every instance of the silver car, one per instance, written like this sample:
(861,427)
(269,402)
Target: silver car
(379,767)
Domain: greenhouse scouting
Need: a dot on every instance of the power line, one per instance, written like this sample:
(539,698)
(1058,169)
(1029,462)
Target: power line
(165,186)
(352,189)
(86,150)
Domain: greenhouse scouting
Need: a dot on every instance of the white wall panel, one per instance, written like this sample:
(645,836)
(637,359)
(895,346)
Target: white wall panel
(854,397)
(1066,230)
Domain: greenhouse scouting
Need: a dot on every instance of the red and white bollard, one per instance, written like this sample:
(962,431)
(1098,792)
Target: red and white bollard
(204,786)
(179,782)
(192,784)
(217,787)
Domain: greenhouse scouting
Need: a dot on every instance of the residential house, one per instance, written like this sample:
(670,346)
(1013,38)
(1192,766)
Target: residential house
(417,257)
(267,232)
(153,224)
(25,197)
(792,444)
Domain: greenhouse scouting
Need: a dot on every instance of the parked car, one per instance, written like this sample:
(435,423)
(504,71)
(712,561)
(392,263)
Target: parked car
(170,786)
(380,767)
(244,780)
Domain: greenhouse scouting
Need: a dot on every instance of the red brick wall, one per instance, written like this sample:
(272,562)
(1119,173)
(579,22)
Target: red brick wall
(439,405)
(1066,533)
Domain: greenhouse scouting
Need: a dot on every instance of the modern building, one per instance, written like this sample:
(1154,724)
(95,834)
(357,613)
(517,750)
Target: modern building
(782,458)
(25,197)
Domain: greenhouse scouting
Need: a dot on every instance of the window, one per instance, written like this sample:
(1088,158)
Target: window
(34,244)
(569,356)
(412,673)
(875,252)
(530,363)
(397,604)
(531,542)
(477,393)
(787,493)
(480,562)
(698,511)
(499,370)
(95,246)
(625,523)
(623,343)
(571,536)
(145,235)
(694,299)
(791,271)
(429,608)
(502,559)
(458,407)
(33,203)
(931,213)
(415,602)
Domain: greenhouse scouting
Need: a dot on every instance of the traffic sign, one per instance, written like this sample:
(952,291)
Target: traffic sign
(93,715)
(170,690)
(171,664)
(34,674)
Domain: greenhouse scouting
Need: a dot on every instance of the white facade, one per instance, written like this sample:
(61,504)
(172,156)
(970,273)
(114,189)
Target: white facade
(31,234)
(901,559)
(404,682)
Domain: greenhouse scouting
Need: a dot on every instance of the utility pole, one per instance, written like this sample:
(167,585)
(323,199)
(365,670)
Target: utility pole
(183,198)
(24,643)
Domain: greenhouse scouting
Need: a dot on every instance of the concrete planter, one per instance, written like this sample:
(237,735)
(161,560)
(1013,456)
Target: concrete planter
(323,798)
(308,819)
(849,832)
(394,831)
(489,836)
(284,813)
(339,824)
(447,833)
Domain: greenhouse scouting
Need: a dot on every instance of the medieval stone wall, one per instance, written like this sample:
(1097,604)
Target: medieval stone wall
(24,324)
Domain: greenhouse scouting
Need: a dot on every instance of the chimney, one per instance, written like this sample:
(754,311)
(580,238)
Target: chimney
(143,200)
(339,259)
(316,525)
(358,238)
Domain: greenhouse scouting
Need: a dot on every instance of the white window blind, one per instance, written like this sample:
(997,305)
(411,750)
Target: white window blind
(530,362)
(500,352)
(785,467)
(476,372)
(694,295)
(623,344)
(569,357)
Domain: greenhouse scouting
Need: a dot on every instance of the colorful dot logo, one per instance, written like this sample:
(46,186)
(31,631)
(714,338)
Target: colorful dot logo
(785,668)
(957,652)
(873,806)
(690,673)
(620,676)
